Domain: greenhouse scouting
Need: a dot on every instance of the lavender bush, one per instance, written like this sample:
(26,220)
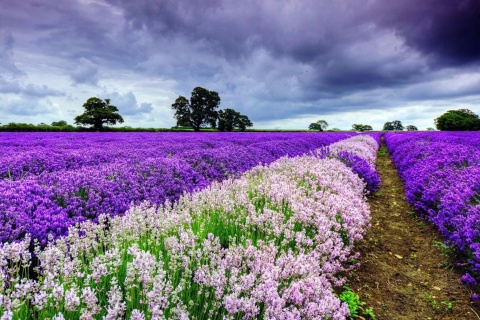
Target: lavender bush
(270,244)
(441,171)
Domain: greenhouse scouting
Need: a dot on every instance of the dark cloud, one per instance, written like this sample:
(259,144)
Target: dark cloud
(73,30)
(28,108)
(448,31)
(85,72)
(18,88)
(40,91)
(7,66)
(12,87)
(337,41)
(128,105)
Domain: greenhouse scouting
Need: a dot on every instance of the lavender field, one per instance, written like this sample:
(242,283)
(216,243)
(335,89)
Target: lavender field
(441,171)
(52,181)
(181,226)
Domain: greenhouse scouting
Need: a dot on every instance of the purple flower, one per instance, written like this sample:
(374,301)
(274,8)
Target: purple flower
(468,280)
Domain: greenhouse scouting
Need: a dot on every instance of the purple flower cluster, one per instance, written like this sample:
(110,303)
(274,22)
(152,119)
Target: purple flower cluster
(50,181)
(441,171)
(361,167)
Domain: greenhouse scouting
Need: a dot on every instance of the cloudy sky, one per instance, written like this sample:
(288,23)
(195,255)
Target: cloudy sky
(284,63)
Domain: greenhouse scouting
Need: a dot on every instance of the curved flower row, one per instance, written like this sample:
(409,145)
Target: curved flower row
(270,244)
(58,180)
(359,153)
(441,171)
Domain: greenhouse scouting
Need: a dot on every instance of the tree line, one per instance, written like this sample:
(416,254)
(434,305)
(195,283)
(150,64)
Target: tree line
(396,125)
(452,120)
(201,112)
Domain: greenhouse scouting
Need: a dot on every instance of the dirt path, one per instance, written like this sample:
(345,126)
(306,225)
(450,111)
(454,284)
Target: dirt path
(403,274)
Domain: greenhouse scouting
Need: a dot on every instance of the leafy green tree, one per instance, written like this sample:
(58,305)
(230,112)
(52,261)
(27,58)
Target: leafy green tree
(320,125)
(97,113)
(458,120)
(229,119)
(244,122)
(199,111)
(395,125)
(430,129)
(411,128)
(61,123)
(361,127)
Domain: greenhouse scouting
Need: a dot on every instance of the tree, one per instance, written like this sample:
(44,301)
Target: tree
(430,129)
(361,127)
(458,120)
(395,125)
(411,128)
(244,122)
(61,123)
(199,111)
(320,125)
(229,119)
(97,113)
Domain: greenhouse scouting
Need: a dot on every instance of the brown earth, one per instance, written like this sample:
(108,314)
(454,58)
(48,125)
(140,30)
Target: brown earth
(404,273)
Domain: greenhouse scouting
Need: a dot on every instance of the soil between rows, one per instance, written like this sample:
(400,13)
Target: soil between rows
(402,273)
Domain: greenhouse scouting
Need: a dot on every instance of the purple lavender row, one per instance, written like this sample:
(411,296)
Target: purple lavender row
(441,171)
(26,154)
(62,183)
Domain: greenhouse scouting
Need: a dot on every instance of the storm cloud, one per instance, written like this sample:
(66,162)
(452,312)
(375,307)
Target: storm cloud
(283,63)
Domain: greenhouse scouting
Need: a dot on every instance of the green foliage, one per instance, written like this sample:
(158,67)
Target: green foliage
(199,111)
(458,120)
(395,125)
(447,305)
(382,152)
(355,305)
(361,127)
(28,127)
(320,125)
(229,119)
(97,113)
(411,128)
(61,123)
(448,252)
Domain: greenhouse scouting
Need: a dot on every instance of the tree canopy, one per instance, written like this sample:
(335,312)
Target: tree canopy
(61,123)
(411,128)
(458,120)
(320,125)
(362,127)
(199,111)
(229,119)
(97,113)
(395,125)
